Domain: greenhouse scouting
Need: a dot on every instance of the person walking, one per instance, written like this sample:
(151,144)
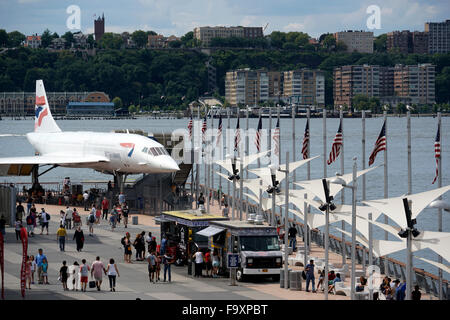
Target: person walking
(2,226)
(98,214)
(225,210)
(44,218)
(68,221)
(158,266)
(163,245)
(76,219)
(78,236)
(91,220)
(64,275)
(20,211)
(33,212)
(121,198)
(112,271)
(167,261)
(86,201)
(152,245)
(208,263)
(143,241)
(29,203)
(113,219)
(105,207)
(198,258)
(215,263)
(62,217)
(84,271)
(73,282)
(137,244)
(151,259)
(292,235)
(125,212)
(61,237)
(97,270)
(39,258)
(30,225)
(126,242)
(18,227)
(309,270)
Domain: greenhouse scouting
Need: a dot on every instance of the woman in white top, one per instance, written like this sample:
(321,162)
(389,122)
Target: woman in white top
(73,281)
(112,271)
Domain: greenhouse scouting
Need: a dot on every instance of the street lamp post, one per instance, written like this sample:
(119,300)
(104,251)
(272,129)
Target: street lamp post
(273,190)
(353,187)
(286,222)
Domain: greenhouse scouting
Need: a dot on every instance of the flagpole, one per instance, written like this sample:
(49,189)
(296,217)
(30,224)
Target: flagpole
(363,143)
(305,206)
(192,156)
(385,171)
(279,151)
(220,167)
(228,152)
(408,128)
(247,147)
(341,119)
(272,216)
(211,163)
(324,136)
(293,146)
(440,198)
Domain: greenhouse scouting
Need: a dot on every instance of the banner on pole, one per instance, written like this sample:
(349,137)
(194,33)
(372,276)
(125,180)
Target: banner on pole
(23,270)
(2,259)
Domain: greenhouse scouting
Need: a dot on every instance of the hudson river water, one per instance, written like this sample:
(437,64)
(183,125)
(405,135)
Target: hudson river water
(14,143)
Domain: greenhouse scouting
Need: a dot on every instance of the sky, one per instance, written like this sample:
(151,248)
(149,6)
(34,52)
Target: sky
(178,17)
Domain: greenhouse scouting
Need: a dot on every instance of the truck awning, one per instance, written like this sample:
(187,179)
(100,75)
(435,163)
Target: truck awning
(210,231)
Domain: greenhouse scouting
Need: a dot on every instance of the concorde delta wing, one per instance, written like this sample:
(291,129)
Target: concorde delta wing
(15,166)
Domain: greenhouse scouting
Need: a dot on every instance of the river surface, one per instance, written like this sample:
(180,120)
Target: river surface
(14,143)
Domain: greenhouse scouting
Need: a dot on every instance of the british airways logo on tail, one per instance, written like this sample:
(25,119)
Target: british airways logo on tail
(40,114)
(128,145)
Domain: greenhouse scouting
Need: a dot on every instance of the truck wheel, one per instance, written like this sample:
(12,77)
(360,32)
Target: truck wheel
(276,278)
(239,275)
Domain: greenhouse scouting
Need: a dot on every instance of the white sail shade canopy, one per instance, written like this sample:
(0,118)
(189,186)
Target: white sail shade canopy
(226,163)
(436,264)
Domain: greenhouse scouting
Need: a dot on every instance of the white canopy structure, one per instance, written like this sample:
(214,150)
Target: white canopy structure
(393,207)
(436,264)
(266,174)
(226,163)
(316,186)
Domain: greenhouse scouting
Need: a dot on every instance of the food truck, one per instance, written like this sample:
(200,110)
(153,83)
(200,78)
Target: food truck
(181,228)
(256,244)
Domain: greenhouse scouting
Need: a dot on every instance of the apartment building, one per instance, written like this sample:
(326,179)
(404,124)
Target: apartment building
(359,41)
(352,80)
(438,36)
(416,82)
(205,34)
(407,42)
(248,87)
(304,87)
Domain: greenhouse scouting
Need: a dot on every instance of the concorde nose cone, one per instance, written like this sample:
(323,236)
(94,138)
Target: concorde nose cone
(167,164)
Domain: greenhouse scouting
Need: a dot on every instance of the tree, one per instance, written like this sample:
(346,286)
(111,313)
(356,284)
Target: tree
(46,38)
(140,38)
(132,109)
(111,41)
(117,103)
(3,38)
(68,36)
(379,43)
(15,39)
(90,40)
(329,42)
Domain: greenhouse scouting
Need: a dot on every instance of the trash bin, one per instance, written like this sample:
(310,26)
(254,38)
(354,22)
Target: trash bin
(295,280)
(134,220)
(282,277)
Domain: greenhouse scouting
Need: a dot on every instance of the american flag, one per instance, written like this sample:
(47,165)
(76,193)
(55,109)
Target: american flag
(237,137)
(219,131)
(380,144)
(204,129)
(190,127)
(437,152)
(276,139)
(336,147)
(306,141)
(258,135)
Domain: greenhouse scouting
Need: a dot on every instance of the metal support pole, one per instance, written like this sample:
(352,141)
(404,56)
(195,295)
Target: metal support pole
(286,224)
(324,136)
(241,188)
(227,144)
(353,230)
(327,240)
(441,293)
(247,147)
(308,177)
(408,128)
(341,118)
(370,251)
(363,141)
(385,174)
(293,146)
(273,216)
(233,202)
(409,265)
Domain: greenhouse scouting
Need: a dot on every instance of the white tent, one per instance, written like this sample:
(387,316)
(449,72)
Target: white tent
(316,186)
(393,207)
(265,172)
(226,163)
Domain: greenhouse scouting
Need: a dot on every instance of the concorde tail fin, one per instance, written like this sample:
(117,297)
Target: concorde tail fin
(43,120)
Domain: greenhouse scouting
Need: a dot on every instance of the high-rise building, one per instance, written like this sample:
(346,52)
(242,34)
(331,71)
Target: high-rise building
(245,86)
(359,41)
(205,34)
(407,42)
(438,36)
(99,27)
(304,86)
(416,82)
(352,80)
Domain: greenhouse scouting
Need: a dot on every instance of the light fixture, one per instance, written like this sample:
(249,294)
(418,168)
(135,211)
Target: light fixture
(440,204)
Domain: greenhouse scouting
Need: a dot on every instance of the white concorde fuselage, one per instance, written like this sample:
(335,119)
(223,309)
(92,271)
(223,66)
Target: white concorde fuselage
(125,152)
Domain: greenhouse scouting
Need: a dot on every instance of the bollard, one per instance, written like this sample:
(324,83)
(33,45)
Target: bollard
(134,220)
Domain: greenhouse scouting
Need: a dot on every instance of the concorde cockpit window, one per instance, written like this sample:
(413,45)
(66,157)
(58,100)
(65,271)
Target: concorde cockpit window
(159,151)
(153,152)
(259,243)
(145,150)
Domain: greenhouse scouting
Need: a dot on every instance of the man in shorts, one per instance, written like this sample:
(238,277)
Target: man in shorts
(84,272)
(96,272)
(151,259)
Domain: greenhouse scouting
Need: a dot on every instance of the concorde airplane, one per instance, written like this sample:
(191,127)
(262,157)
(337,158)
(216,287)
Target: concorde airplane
(114,153)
